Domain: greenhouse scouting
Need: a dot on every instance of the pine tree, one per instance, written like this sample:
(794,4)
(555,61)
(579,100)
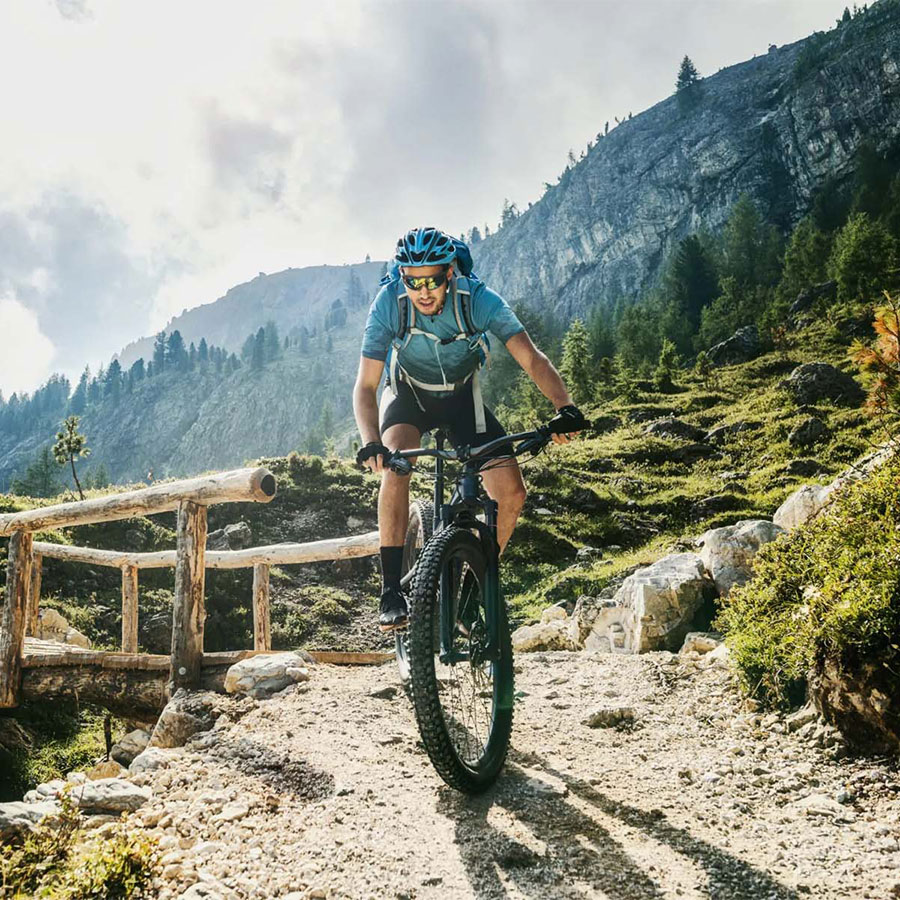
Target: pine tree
(272,349)
(202,352)
(101,477)
(78,401)
(576,363)
(687,86)
(862,258)
(176,354)
(71,444)
(258,354)
(137,371)
(192,356)
(40,479)
(159,353)
(112,385)
(665,368)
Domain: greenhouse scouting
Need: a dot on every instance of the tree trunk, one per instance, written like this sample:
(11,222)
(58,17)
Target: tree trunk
(189,614)
(15,612)
(34,595)
(77,482)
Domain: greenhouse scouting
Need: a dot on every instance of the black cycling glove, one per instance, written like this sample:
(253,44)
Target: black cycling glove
(568,419)
(373,448)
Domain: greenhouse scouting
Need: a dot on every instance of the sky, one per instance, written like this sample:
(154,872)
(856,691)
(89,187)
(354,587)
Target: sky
(155,153)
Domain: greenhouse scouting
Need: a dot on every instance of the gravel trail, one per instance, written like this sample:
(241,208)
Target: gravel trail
(325,791)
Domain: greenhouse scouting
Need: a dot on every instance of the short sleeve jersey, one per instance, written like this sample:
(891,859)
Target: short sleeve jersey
(427,360)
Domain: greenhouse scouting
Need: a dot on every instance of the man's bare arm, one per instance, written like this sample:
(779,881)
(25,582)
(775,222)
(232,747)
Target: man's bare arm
(365,404)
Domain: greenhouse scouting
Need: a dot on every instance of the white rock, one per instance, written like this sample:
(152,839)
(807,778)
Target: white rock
(820,805)
(553,635)
(658,604)
(17,816)
(53,626)
(263,675)
(232,812)
(109,768)
(700,642)
(607,631)
(728,552)
(805,503)
(553,614)
(110,795)
(134,743)
(153,758)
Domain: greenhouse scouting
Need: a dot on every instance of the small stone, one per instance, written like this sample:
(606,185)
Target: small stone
(107,769)
(610,717)
(232,812)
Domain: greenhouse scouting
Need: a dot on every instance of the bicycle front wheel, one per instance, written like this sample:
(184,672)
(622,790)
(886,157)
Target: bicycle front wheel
(464,708)
(418,533)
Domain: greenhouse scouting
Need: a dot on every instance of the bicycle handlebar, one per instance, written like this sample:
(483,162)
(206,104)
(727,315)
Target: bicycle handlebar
(530,440)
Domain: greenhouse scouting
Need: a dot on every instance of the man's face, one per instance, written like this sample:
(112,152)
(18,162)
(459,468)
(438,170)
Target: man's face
(428,302)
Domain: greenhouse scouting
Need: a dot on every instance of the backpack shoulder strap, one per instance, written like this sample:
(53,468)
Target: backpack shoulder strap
(403,310)
(464,295)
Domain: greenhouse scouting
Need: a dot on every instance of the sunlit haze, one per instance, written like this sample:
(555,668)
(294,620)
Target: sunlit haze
(154,154)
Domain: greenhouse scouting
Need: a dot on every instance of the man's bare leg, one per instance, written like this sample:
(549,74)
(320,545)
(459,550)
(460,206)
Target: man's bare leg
(505,485)
(393,496)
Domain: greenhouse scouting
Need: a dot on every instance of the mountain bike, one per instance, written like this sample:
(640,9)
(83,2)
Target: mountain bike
(456,653)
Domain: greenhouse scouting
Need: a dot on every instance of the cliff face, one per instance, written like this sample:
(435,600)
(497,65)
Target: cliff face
(775,127)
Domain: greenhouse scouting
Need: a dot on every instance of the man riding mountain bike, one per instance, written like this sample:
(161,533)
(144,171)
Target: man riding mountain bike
(430,323)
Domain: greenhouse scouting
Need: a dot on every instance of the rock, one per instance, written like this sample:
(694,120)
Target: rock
(691,453)
(552,635)
(710,506)
(812,382)
(820,805)
(155,632)
(130,746)
(553,614)
(656,606)
(110,795)
(801,717)
(701,642)
(588,554)
(202,891)
(723,433)
(17,817)
(602,424)
(151,759)
(610,717)
(807,297)
(385,693)
(107,769)
(809,431)
(671,427)
(741,347)
(236,536)
(13,736)
(727,553)
(805,468)
(233,812)
(190,712)
(53,626)
(801,506)
(264,675)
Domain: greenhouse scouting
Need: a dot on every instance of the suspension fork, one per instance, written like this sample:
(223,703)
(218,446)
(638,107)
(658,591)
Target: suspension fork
(492,598)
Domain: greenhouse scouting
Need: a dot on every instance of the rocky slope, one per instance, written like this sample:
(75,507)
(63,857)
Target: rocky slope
(775,127)
(324,791)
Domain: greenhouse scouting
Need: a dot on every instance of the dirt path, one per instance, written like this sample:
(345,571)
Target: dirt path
(324,791)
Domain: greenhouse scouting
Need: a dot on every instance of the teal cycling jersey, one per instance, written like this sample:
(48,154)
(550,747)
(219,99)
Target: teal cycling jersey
(430,360)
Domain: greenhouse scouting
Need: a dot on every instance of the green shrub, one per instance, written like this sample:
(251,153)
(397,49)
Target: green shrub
(831,587)
(58,862)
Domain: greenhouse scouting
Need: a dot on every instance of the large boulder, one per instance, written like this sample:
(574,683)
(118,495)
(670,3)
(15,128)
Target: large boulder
(671,427)
(266,674)
(189,712)
(130,746)
(723,433)
(18,817)
(236,536)
(655,607)
(807,297)
(551,633)
(53,626)
(727,553)
(801,506)
(741,347)
(110,795)
(812,382)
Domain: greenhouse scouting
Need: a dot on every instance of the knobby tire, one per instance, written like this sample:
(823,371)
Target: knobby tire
(437,559)
(418,533)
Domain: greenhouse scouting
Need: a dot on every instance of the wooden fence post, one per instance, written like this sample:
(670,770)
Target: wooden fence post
(34,595)
(189,614)
(15,611)
(262,631)
(129,609)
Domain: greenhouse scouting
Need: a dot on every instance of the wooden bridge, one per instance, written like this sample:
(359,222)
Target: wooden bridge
(128,681)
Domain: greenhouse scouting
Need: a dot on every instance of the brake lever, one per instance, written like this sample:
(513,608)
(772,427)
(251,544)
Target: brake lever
(399,465)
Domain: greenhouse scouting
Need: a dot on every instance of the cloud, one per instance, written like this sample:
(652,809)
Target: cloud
(26,354)
(156,153)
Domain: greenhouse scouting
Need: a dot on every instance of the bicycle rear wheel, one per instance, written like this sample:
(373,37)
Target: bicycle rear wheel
(418,533)
(464,710)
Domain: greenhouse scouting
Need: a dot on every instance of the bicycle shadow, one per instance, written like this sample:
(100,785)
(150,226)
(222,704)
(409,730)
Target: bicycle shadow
(582,857)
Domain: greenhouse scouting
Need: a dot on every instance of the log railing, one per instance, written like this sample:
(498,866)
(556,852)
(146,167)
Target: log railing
(189,498)
(259,558)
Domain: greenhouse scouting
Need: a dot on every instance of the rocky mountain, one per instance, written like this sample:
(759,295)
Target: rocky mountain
(776,127)
(291,299)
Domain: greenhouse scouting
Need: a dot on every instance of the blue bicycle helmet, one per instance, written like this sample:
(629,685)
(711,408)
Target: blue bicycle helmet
(425,247)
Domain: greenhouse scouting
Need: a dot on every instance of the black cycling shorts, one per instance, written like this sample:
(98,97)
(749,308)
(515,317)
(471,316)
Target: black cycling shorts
(454,412)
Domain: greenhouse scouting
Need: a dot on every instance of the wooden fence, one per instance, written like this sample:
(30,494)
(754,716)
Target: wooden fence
(190,559)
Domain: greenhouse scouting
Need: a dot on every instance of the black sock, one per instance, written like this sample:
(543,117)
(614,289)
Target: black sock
(391,567)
